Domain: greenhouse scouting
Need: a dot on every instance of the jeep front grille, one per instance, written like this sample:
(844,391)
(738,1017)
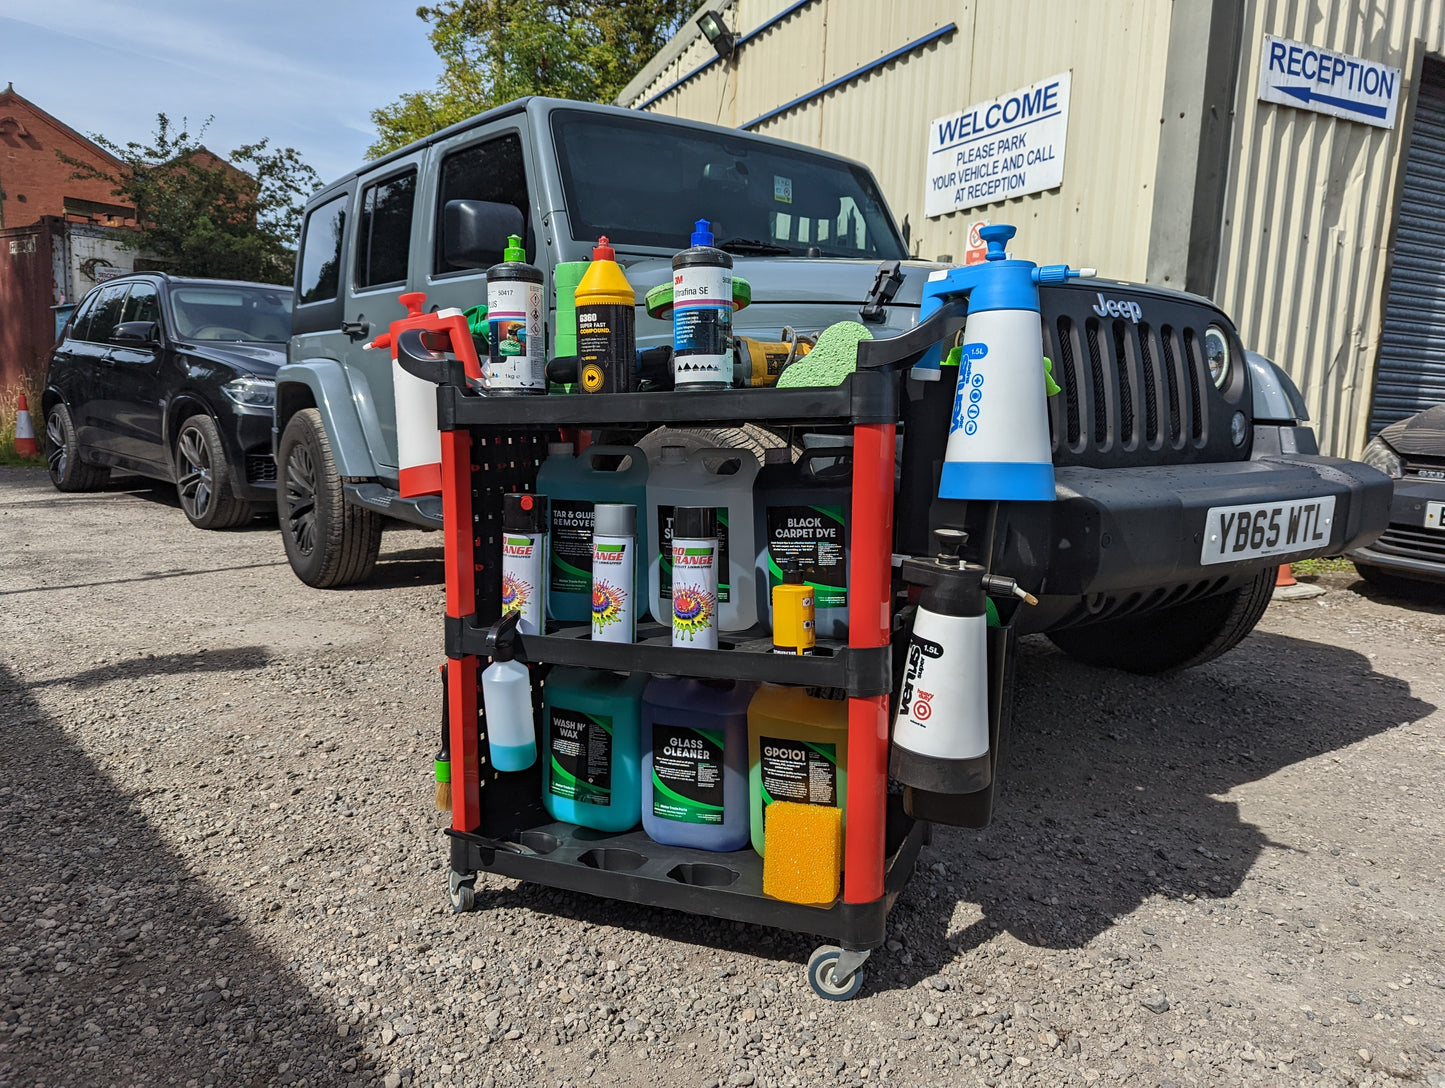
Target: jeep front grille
(1126,386)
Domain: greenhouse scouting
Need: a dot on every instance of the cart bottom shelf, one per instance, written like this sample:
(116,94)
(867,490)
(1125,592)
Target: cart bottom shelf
(631,868)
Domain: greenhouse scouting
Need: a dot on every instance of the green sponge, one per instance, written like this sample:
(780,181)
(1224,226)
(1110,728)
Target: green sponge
(832,360)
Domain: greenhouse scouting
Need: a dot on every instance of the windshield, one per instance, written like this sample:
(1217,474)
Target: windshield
(224,312)
(644,182)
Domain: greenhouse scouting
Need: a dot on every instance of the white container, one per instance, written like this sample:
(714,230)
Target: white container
(722,479)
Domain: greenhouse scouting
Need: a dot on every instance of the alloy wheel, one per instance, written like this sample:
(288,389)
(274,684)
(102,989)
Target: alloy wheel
(197,482)
(56,453)
(301,498)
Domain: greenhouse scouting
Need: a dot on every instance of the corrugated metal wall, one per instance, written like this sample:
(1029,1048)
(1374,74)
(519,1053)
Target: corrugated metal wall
(1116,50)
(1410,371)
(1310,207)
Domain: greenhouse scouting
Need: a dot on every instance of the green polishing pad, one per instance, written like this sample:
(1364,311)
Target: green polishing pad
(659,299)
(834,358)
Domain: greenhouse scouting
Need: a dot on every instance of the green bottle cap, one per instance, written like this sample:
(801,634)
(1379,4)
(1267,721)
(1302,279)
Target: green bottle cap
(514,250)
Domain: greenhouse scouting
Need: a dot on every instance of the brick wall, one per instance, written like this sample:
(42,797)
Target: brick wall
(34,182)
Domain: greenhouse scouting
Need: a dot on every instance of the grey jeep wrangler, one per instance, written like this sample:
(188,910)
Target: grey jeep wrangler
(1186,471)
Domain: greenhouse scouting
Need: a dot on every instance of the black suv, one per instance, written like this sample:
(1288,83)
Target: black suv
(173,379)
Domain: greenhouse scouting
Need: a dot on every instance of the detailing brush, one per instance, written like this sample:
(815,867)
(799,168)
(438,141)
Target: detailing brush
(444,753)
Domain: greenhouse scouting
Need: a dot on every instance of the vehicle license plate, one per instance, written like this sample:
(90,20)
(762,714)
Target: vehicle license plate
(1255,530)
(1435,515)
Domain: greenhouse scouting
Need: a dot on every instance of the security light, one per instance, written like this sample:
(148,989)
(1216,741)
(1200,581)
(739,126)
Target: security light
(716,32)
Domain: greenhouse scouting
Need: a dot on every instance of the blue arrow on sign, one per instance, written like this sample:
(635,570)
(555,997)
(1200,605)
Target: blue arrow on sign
(1305,94)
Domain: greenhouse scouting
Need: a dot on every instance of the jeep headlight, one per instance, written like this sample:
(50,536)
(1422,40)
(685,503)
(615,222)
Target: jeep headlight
(252,392)
(1216,354)
(1380,456)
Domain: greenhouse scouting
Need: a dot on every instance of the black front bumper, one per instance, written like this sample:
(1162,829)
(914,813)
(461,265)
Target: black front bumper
(246,433)
(1132,539)
(1409,547)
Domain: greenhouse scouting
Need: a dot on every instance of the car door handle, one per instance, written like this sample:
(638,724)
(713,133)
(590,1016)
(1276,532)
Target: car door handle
(356,329)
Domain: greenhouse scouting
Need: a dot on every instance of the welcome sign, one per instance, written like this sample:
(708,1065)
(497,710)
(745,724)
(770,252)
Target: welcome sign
(1010,146)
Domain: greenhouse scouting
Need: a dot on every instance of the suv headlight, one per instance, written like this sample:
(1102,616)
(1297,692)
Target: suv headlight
(1380,456)
(252,392)
(1216,354)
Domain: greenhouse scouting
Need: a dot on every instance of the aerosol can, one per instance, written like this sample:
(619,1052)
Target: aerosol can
(998,436)
(524,551)
(940,731)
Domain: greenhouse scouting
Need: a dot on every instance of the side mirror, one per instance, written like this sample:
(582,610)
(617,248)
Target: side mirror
(136,332)
(474,232)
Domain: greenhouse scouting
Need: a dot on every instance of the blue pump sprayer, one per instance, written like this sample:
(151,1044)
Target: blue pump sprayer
(998,437)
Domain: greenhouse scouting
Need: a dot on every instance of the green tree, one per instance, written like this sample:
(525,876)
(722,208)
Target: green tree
(201,215)
(497,50)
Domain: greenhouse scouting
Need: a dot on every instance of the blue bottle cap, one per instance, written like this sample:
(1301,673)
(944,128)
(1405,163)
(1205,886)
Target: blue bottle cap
(997,236)
(701,233)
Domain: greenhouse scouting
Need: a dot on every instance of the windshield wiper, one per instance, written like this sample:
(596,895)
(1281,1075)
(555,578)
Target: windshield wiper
(754,247)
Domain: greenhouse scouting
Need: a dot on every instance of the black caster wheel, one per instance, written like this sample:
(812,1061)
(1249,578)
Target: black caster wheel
(462,892)
(823,977)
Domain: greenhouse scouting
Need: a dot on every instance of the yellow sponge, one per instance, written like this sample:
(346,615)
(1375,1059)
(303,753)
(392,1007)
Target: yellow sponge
(803,852)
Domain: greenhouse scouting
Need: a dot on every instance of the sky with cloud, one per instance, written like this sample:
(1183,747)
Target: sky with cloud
(305,73)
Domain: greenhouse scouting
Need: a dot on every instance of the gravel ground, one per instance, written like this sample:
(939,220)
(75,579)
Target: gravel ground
(220,862)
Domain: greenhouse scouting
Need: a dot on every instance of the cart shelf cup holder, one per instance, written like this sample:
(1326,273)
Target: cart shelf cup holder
(702,874)
(539,842)
(613,859)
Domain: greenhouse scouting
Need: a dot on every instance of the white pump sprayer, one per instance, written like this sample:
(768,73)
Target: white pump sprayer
(998,438)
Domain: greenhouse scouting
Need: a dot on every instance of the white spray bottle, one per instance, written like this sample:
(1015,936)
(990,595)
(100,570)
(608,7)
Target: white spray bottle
(507,700)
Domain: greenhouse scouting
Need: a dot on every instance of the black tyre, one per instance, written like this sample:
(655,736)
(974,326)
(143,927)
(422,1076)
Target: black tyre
(62,454)
(203,477)
(1174,638)
(329,542)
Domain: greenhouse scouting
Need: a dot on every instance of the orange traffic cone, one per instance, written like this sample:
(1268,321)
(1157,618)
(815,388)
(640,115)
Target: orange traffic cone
(1285,577)
(25,444)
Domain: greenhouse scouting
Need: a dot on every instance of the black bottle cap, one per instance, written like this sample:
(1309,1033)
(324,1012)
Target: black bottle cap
(694,522)
(522,513)
(501,642)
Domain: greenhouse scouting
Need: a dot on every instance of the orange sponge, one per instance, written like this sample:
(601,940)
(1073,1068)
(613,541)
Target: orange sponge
(803,856)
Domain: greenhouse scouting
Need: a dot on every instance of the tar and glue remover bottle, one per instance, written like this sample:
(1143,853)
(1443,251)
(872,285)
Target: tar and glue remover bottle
(606,326)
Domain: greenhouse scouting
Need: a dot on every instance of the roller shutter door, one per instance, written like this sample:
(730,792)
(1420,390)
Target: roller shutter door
(1410,375)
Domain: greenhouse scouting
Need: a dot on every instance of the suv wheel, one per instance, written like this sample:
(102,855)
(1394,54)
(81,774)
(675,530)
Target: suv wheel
(203,478)
(1173,638)
(62,454)
(329,542)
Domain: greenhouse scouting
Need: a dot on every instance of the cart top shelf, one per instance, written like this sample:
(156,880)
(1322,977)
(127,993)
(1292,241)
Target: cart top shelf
(864,397)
